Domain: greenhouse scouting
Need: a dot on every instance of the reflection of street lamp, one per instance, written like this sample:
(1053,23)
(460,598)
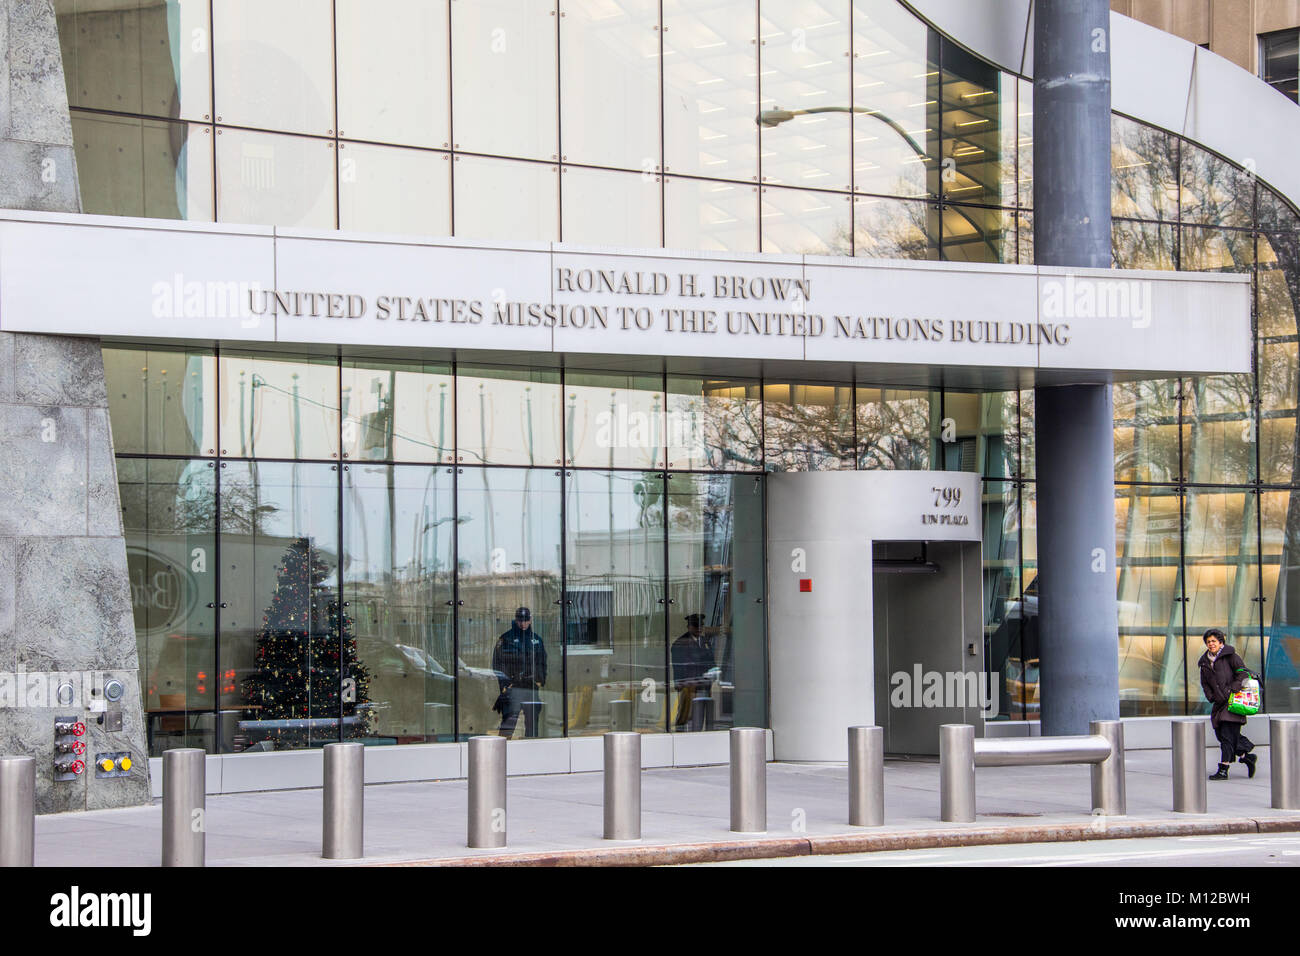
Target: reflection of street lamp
(768,119)
(772,118)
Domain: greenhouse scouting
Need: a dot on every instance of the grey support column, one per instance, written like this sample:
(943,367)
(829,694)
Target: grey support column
(1078,631)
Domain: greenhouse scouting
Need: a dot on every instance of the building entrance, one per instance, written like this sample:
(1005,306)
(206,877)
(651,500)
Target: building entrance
(874,616)
(928,642)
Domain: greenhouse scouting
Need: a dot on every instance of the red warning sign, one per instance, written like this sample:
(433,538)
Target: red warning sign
(805,585)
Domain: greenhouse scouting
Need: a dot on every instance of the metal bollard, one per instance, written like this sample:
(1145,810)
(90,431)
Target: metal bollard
(748,780)
(1284,761)
(622,786)
(487,792)
(343,817)
(1189,765)
(1108,792)
(620,715)
(957,773)
(866,776)
(17,811)
(184,824)
(701,713)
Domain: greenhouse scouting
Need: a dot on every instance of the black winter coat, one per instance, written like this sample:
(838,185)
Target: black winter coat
(1219,679)
(520,659)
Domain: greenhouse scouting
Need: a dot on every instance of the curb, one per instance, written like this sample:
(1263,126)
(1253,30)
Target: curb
(728,851)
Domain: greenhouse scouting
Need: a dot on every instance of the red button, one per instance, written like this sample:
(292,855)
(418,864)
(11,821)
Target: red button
(805,584)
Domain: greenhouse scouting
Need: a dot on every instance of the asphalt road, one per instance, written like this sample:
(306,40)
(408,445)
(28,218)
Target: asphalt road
(1209,851)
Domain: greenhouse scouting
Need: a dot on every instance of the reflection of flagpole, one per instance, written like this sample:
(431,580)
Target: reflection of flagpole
(243,422)
(297,437)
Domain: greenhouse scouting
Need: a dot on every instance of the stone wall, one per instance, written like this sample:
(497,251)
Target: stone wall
(65,607)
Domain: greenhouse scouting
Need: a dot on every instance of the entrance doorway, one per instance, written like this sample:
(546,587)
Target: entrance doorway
(929,645)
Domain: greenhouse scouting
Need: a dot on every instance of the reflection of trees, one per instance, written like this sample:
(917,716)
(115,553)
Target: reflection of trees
(1144,171)
(894,434)
(811,429)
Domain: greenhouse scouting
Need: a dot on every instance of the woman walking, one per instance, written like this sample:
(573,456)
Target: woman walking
(1222,672)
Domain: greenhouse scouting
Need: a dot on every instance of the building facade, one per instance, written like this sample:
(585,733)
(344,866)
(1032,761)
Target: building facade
(1258,35)
(332,539)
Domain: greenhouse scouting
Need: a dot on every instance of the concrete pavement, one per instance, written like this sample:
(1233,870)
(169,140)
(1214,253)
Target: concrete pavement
(557,819)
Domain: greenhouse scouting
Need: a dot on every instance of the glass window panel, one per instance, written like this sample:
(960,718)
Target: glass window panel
(615,601)
(1144,163)
(609,82)
(1147,431)
(714,424)
(711,216)
(1220,439)
(398,412)
(805,67)
(509,554)
(1010,626)
(895,228)
(1025,437)
(1025,143)
(1279,375)
(1274,213)
(894,427)
(1278,284)
(1215,250)
(137,56)
(504,77)
(274,406)
(498,199)
(385,189)
(1025,237)
(162,403)
(801,222)
(611,209)
(393,71)
(509,416)
(808,427)
(287,641)
(717,638)
(275,180)
(1142,245)
(399,535)
(150,168)
(976,234)
(977,121)
(1222,576)
(169,521)
(710,72)
(972,430)
(895,85)
(614,420)
(1280,559)
(1215,192)
(1151,664)
(274,64)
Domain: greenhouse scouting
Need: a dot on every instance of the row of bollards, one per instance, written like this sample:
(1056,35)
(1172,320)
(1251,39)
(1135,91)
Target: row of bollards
(184,824)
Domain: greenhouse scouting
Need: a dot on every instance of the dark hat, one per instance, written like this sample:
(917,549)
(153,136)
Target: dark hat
(695,619)
(523,614)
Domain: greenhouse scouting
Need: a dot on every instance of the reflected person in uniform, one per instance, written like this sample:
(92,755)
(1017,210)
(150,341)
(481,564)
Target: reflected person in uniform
(692,659)
(519,660)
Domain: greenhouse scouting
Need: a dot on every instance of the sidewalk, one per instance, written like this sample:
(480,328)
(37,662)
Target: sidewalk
(557,819)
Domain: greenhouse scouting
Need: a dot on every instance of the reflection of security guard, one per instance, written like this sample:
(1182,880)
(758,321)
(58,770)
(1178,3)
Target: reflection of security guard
(692,659)
(519,660)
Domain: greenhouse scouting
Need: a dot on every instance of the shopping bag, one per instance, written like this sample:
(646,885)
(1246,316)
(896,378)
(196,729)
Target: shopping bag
(1246,700)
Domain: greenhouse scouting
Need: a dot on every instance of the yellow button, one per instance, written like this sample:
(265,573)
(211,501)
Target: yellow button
(106,765)
(124,763)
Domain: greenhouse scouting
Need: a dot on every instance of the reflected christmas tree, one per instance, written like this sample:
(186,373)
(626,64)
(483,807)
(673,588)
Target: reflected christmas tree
(306,674)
